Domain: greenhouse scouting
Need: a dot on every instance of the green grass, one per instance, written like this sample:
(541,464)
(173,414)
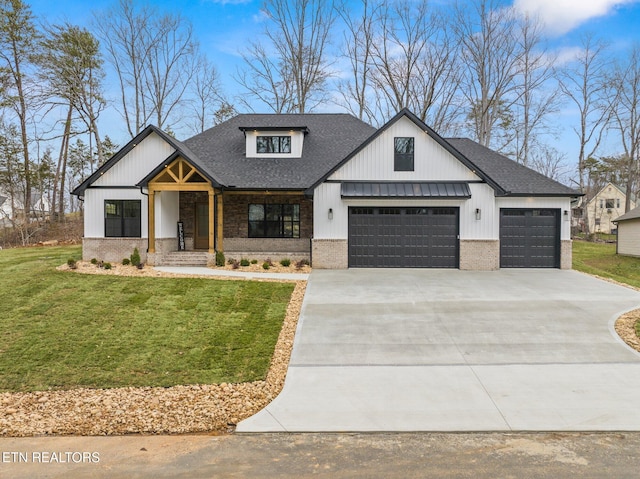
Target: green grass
(601,259)
(61,330)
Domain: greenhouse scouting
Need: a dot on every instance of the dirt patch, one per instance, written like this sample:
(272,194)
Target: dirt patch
(149,410)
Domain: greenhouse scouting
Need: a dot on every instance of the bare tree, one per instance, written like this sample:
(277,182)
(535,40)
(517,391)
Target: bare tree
(550,162)
(290,75)
(626,113)
(583,82)
(491,57)
(18,45)
(154,59)
(536,92)
(359,36)
(206,95)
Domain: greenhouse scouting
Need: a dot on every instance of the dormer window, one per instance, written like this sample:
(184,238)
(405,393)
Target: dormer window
(273,144)
(274,141)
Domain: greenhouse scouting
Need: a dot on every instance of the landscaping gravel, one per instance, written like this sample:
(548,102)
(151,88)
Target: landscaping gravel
(150,410)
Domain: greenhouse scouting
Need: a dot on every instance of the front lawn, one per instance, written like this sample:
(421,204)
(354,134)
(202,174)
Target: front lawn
(61,330)
(601,259)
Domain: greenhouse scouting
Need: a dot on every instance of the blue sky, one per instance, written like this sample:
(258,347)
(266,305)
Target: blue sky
(224,26)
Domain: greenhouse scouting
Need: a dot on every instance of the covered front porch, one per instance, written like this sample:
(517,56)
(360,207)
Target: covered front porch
(186,213)
(191,218)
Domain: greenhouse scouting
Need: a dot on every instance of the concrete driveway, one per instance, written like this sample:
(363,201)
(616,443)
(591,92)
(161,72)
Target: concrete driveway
(449,350)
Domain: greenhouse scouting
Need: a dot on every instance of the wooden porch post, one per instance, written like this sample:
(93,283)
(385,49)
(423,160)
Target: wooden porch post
(152,221)
(211,222)
(220,224)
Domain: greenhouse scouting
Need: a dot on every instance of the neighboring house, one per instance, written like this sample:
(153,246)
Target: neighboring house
(603,209)
(330,188)
(628,225)
(39,208)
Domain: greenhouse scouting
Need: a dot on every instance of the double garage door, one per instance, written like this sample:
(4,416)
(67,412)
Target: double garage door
(387,237)
(403,237)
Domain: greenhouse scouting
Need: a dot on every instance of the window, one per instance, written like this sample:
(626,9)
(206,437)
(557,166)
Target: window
(610,203)
(122,218)
(617,202)
(403,158)
(274,221)
(273,144)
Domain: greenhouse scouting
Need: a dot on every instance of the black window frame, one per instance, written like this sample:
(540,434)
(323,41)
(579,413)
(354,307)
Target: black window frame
(273,144)
(273,220)
(403,160)
(121,224)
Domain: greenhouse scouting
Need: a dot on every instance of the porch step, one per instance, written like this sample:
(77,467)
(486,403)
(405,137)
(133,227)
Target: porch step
(184,258)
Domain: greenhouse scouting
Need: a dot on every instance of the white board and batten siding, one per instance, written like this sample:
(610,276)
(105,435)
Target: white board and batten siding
(137,164)
(376,163)
(431,161)
(117,183)
(94,199)
(629,237)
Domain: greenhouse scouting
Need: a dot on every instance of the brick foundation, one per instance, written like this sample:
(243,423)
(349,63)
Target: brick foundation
(479,255)
(113,250)
(330,253)
(566,253)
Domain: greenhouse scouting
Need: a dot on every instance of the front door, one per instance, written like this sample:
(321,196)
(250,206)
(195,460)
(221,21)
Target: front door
(201,236)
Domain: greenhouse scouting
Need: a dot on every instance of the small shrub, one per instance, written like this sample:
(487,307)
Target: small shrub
(126,262)
(106,265)
(244,262)
(269,262)
(140,266)
(71,263)
(266,265)
(219,258)
(285,262)
(254,261)
(94,261)
(235,264)
(302,263)
(135,257)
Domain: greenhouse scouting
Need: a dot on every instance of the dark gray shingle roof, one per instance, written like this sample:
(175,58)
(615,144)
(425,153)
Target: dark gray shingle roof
(513,177)
(221,150)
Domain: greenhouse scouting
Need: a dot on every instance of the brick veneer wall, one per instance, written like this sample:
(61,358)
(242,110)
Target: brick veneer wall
(479,255)
(566,253)
(236,213)
(113,250)
(330,253)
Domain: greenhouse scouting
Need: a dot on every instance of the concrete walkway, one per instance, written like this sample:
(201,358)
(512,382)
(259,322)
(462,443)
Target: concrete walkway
(204,271)
(449,350)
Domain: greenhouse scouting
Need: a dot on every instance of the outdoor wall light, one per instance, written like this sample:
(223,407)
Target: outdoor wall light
(478,213)
(565,213)
(330,213)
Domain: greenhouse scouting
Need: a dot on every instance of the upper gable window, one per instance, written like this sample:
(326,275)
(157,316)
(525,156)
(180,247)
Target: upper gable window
(403,155)
(273,144)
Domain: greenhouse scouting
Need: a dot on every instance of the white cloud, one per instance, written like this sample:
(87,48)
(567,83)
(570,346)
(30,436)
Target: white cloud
(561,16)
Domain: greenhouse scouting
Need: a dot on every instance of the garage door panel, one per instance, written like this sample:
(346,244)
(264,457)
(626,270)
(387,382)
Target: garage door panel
(529,238)
(403,237)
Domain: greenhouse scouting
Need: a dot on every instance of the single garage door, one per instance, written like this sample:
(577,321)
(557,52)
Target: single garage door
(403,237)
(529,238)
